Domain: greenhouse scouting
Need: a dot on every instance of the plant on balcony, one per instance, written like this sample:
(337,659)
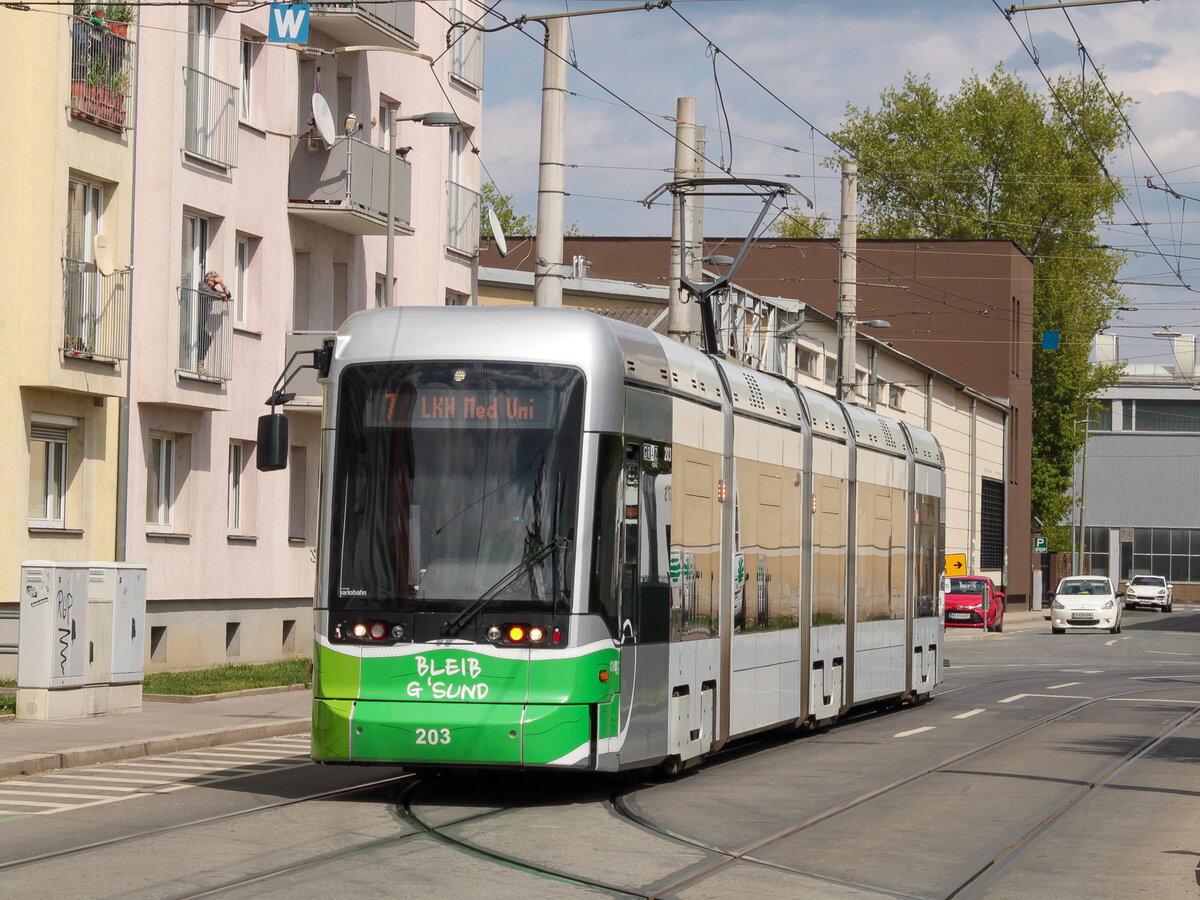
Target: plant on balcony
(100,94)
(120,16)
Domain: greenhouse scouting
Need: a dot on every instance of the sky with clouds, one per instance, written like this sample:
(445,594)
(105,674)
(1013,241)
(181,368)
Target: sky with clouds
(816,57)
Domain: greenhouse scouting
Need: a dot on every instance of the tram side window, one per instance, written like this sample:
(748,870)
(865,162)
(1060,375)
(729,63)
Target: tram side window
(606,529)
(829,552)
(881,550)
(929,513)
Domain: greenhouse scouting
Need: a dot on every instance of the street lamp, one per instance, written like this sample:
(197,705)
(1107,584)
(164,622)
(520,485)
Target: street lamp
(434,120)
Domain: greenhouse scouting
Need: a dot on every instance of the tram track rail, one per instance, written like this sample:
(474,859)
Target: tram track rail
(409,801)
(746,853)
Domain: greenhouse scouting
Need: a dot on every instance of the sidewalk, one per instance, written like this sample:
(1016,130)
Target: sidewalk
(162,726)
(1014,620)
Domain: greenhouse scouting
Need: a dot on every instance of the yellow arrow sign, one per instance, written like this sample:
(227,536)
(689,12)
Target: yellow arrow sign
(956,564)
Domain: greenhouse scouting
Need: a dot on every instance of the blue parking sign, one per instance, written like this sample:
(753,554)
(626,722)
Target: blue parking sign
(289,23)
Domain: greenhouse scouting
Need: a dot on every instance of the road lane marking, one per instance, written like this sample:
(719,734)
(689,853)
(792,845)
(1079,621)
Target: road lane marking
(1015,697)
(967,715)
(914,731)
(1055,687)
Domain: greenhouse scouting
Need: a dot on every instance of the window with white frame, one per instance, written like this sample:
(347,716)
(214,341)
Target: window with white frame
(831,369)
(380,291)
(385,123)
(241,280)
(249,51)
(160,481)
(806,360)
(456,298)
(895,396)
(194,255)
(237,460)
(48,442)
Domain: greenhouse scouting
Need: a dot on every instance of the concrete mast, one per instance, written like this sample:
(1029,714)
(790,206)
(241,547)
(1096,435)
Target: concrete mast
(548,266)
(847,312)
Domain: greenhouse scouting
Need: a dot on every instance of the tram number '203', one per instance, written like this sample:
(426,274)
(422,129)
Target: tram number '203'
(433,736)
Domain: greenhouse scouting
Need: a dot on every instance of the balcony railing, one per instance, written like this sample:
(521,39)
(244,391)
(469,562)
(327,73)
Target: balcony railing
(101,75)
(391,24)
(95,312)
(466,60)
(211,127)
(345,186)
(205,335)
(463,232)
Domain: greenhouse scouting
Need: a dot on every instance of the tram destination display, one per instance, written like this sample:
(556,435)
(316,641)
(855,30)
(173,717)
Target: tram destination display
(441,406)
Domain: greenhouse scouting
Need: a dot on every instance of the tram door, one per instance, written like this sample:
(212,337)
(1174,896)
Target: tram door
(645,600)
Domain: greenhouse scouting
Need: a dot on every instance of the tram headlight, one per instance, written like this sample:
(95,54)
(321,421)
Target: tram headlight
(359,630)
(537,634)
(516,633)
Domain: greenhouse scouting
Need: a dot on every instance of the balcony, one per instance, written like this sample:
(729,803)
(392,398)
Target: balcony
(211,123)
(345,187)
(95,312)
(463,230)
(101,75)
(205,336)
(382,24)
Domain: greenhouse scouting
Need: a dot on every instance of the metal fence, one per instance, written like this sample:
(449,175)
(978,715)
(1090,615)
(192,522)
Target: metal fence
(101,74)
(205,335)
(463,230)
(211,125)
(95,312)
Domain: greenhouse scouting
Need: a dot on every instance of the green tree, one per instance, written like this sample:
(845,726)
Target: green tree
(996,160)
(799,225)
(510,222)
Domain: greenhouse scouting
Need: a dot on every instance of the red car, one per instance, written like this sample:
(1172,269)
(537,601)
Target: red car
(973,601)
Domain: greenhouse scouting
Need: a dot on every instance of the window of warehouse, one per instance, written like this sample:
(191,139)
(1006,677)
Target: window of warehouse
(991,524)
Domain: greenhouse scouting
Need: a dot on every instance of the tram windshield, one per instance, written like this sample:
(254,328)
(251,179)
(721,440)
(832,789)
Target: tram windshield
(454,485)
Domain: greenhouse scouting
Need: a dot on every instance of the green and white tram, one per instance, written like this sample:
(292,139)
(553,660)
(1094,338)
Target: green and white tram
(549,538)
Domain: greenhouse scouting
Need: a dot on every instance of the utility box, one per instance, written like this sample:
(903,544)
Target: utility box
(52,642)
(116,637)
(82,639)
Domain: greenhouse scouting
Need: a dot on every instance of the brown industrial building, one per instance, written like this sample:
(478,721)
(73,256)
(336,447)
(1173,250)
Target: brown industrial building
(964,308)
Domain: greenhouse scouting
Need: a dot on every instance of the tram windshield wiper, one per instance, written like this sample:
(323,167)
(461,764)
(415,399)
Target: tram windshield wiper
(525,566)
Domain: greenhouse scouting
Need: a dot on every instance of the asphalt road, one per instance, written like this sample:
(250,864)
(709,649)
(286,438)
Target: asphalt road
(1046,766)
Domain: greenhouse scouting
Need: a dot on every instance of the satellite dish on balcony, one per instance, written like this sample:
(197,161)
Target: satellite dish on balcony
(323,119)
(102,253)
(498,233)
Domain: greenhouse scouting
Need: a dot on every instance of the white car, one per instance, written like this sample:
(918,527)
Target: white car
(1086,601)
(1148,590)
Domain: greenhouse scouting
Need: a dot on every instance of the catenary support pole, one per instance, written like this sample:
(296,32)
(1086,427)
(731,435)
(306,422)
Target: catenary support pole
(847,287)
(548,266)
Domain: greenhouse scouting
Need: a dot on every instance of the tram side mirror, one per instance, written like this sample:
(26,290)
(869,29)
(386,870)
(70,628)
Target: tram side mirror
(272,442)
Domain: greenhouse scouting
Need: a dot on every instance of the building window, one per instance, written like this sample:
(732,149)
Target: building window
(241,281)
(297,494)
(831,369)
(991,524)
(84,305)
(380,291)
(895,396)
(454,298)
(385,123)
(48,474)
(234,505)
(1173,553)
(806,360)
(160,481)
(249,51)
(1165,415)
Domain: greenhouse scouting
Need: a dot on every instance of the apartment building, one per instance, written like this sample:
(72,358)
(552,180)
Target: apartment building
(239,171)
(65,251)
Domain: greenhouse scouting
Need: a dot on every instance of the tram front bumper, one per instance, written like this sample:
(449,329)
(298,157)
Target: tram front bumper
(432,733)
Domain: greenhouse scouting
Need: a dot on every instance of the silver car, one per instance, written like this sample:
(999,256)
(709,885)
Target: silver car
(1086,601)
(1148,590)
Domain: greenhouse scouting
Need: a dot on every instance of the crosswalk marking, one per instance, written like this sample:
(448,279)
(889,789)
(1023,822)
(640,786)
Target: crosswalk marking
(54,792)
